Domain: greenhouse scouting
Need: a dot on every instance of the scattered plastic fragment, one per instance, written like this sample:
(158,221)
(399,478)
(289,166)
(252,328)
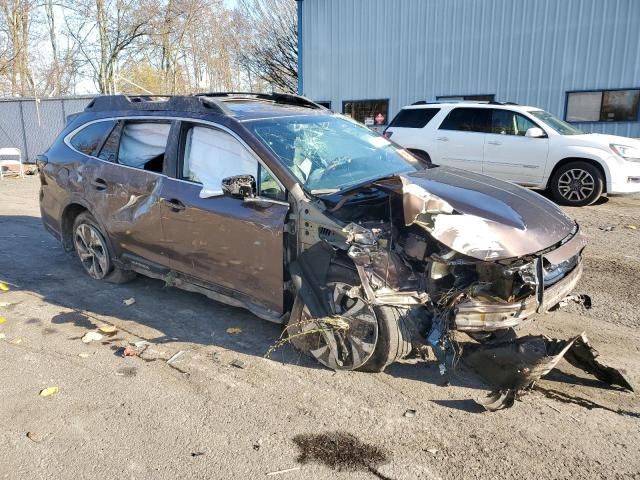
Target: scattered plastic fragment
(286,470)
(49,391)
(31,436)
(130,351)
(127,372)
(409,412)
(234,330)
(432,451)
(631,227)
(129,301)
(84,355)
(606,228)
(106,328)
(142,343)
(2,336)
(4,287)
(2,320)
(175,357)
(91,337)
(238,363)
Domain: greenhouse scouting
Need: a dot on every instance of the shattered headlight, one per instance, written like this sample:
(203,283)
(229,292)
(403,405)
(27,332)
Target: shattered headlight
(554,273)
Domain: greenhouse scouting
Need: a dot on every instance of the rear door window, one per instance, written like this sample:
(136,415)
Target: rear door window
(468,120)
(414,117)
(507,122)
(90,138)
(143,145)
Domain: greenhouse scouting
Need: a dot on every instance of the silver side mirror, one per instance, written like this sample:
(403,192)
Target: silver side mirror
(535,132)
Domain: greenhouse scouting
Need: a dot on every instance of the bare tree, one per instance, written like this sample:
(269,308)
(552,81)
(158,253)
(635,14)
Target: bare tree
(271,50)
(104,30)
(16,21)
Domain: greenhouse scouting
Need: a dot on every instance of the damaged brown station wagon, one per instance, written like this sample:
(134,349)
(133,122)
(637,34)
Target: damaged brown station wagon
(304,217)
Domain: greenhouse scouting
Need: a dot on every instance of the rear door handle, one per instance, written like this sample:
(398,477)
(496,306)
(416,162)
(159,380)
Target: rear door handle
(174,204)
(99,184)
(494,142)
(443,139)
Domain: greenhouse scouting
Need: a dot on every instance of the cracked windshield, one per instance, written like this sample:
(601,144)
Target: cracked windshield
(331,153)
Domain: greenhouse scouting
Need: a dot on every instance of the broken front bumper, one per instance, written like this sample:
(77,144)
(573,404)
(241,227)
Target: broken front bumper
(475,316)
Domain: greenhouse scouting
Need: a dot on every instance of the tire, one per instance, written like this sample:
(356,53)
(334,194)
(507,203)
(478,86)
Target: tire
(392,337)
(577,184)
(93,251)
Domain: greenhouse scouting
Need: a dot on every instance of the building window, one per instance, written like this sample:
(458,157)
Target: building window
(369,112)
(603,106)
(474,98)
(325,104)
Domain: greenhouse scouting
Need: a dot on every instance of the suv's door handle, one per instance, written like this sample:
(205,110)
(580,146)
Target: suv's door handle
(494,142)
(99,184)
(174,204)
(443,139)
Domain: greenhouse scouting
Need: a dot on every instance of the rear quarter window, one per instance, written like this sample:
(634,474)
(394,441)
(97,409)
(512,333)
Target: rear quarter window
(414,117)
(90,138)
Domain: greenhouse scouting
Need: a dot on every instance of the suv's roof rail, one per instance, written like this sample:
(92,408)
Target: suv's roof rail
(156,103)
(282,98)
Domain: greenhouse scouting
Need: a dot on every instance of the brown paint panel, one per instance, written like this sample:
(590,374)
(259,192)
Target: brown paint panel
(227,241)
(126,201)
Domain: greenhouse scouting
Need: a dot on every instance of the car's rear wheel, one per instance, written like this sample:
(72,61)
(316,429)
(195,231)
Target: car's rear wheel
(93,251)
(577,184)
(358,336)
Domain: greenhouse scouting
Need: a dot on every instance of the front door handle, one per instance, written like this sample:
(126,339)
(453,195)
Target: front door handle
(99,184)
(443,139)
(494,142)
(174,204)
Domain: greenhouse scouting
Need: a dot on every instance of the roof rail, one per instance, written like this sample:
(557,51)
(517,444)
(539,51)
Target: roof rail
(156,103)
(281,98)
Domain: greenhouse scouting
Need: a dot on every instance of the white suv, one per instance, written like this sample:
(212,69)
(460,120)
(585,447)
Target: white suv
(524,145)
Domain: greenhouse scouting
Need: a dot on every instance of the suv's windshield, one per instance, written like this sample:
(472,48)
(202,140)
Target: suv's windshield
(328,153)
(560,126)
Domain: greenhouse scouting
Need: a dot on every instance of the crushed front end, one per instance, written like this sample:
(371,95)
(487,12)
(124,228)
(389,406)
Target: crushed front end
(453,254)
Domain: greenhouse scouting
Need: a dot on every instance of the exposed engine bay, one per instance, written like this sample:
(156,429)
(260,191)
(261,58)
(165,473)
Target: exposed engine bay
(446,266)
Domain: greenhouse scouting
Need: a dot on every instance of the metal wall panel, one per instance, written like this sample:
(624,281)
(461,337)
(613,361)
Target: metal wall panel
(530,52)
(32,128)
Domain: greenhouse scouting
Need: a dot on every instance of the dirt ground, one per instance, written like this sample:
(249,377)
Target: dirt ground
(201,417)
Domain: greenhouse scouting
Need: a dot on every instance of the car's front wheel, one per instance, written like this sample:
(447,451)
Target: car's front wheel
(358,336)
(577,184)
(93,251)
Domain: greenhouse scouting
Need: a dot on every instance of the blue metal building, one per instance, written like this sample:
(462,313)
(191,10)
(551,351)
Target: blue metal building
(579,59)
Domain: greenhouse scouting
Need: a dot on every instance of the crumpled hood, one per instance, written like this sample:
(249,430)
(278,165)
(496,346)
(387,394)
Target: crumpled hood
(479,216)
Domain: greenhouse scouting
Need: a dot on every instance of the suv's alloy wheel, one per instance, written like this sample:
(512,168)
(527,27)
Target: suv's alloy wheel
(92,250)
(577,184)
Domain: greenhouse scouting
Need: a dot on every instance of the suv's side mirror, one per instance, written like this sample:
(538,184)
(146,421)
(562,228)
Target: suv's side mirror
(534,132)
(239,186)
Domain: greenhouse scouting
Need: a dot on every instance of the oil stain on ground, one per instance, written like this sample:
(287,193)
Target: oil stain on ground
(340,451)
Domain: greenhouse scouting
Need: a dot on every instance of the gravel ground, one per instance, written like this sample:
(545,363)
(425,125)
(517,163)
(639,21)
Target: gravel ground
(201,417)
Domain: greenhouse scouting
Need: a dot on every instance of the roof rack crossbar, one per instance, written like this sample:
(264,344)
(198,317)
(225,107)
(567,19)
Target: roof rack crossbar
(150,103)
(282,98)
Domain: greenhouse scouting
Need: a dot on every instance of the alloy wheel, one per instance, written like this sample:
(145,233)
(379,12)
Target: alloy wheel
(92,250)
(347,339)
(576,185)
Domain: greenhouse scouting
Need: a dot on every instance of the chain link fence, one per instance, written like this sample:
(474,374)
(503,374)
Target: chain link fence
(32,124)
